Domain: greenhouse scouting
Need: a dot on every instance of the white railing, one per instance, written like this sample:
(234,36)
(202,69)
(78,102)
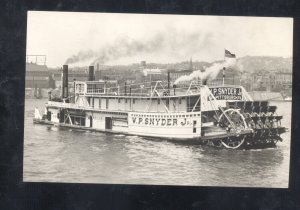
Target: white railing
(64,105)
(146,89)
(121,109)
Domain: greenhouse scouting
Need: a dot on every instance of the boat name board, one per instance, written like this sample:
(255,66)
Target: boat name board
(227,93)
(161,121)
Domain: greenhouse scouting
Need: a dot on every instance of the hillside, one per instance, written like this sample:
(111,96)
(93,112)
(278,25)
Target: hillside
(269,63)
(248,64)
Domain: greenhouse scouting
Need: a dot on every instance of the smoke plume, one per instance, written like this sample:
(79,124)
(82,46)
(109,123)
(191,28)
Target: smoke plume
(208,73)
(166,42)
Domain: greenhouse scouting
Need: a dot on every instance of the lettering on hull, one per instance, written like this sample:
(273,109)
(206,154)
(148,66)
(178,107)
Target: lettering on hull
(161,121)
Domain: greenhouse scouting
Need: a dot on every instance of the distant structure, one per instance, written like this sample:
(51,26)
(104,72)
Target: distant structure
(175,74)
(36,59)
(259,80)
(143,64)
(38,76)
(191,64)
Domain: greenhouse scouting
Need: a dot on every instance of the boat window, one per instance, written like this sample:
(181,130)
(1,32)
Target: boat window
(194,130)
(158,101)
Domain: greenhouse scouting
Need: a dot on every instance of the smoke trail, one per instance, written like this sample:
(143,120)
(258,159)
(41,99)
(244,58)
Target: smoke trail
(209,73)
(168,41)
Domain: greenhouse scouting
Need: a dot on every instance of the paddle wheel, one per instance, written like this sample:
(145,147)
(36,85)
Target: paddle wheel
(244,125)
(261,118)
(234,122)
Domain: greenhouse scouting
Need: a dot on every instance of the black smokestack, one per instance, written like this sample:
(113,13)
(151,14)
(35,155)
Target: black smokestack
(64,81)
(91,73)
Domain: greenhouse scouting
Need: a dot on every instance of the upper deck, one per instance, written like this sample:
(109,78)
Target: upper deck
(160,89)
(159,97)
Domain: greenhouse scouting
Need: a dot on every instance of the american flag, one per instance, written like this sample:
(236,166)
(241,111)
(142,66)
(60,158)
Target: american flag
(229,54)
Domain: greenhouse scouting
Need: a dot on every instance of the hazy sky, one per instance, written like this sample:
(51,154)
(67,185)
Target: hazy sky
(107,38)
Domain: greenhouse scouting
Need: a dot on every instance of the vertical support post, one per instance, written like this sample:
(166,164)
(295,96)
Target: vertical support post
(224,75)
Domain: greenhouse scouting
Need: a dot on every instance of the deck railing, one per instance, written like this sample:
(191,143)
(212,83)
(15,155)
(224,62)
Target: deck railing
(160,88)
(118,109)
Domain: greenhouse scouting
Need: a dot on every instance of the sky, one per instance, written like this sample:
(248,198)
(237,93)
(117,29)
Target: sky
(81,39)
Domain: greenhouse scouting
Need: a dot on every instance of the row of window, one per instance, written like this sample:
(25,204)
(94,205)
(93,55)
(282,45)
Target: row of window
(119,101)
(117,113)
(133,100)
(170,116)
(158,100)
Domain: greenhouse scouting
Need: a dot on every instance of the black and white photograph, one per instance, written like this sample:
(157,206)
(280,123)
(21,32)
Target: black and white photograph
(149,99)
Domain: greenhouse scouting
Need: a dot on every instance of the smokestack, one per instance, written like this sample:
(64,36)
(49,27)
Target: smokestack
(91,73)
(64,86)
(174,87)
(49,95)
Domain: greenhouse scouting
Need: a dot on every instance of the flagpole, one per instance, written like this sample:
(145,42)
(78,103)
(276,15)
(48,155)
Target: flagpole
(223,71)
(223,76)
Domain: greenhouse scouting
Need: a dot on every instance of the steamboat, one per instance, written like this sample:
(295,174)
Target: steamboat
(222,116)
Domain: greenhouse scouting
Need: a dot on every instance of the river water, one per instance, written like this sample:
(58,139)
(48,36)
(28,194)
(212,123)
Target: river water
(54,154)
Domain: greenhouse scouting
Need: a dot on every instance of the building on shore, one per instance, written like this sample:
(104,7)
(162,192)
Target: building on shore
(38,76)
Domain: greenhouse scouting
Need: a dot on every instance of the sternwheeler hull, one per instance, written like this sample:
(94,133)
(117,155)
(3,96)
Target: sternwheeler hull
(219,116)
(243,140)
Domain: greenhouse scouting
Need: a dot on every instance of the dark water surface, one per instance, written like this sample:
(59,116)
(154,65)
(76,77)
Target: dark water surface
(53,154)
